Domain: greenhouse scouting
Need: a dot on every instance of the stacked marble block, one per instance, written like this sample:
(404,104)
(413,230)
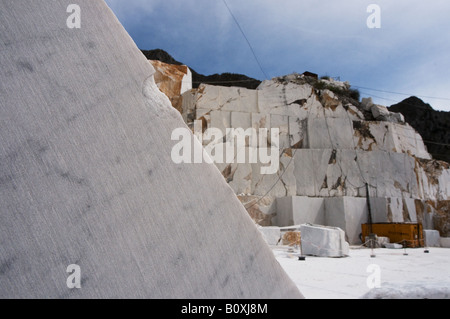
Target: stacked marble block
(347,213)
(328,152)
(231,107)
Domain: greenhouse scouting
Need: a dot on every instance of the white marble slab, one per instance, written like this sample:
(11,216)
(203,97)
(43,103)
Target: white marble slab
(86,175)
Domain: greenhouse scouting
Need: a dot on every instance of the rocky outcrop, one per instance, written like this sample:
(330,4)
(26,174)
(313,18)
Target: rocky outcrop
(432,125)
(173,81)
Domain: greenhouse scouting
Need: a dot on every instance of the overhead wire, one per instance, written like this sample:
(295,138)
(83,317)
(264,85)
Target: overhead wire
(266,77)
(405,94)
(246,39)
(397,102)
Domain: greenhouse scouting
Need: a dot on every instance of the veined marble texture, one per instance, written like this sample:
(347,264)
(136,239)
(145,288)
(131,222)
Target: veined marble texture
(86,176)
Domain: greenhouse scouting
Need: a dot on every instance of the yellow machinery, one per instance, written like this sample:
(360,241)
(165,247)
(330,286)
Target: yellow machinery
(408,234)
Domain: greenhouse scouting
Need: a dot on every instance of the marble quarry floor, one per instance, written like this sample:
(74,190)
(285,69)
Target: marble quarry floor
(415,275)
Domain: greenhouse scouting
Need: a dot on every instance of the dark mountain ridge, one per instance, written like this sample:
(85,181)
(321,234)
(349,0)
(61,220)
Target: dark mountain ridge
(432,125)
(224,79)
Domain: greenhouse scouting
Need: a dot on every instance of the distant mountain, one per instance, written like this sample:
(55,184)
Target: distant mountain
(432,125)
(224,79)
(160,55)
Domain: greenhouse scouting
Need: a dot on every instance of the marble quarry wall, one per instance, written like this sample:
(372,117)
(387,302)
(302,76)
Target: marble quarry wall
(329,148)
(89,193)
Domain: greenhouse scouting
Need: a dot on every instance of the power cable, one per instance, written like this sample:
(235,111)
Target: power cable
(405,94)
(396,101)
(246,39)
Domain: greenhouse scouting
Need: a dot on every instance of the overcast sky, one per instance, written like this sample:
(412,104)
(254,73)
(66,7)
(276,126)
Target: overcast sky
(409,54)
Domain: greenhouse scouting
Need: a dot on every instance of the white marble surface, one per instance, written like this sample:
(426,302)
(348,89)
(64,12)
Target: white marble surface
(86,176)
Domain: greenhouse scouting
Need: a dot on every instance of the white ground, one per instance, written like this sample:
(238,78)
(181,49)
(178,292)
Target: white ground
(417,275)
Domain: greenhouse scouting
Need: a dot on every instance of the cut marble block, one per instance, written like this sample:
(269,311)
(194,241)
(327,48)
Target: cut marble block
(432,238)
(445,242)
(236,99)
(241,120)
(221,120)
(261,121)
(286,174)
(271,235)
(274,184)
(284,99)
(330,133)
(281,122)
(379,208)
(323,241)
(230,99)
(395,210)
(407,140)
(240,178)
(389,137)
(298,132)
(326,172)
(310,167)
(425,211)
(347,213)
(87,178)
(296,210)
(208,97)
(261,209)
(409,210)
(433,178)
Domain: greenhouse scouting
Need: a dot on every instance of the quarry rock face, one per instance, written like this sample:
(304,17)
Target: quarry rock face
(173,81)
(330,146)
(88,187)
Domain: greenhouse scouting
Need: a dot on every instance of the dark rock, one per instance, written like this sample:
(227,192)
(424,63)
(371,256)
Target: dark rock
(432,125)
(224,79)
